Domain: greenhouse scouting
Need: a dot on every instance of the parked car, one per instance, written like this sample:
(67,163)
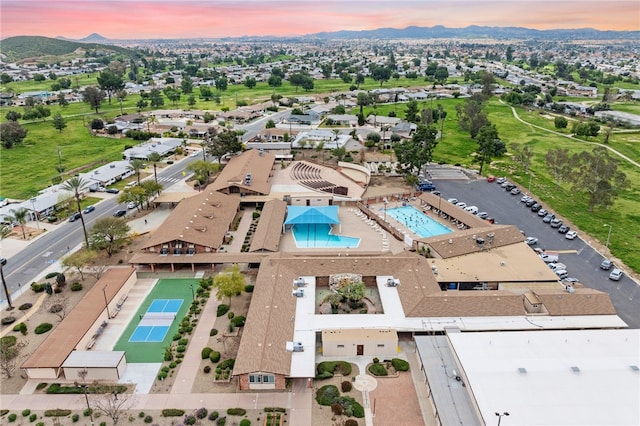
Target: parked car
(542,212)
(563,229)
(557,266)
(570,280)
(615,275)
(483,215)
(606,264)
(453,200)
(505,183)
(538,250)
(509,187)
(131,205)
(426,186)
(515,191)
(571,235)
(74,217)
(113,191)
(530,203)
(562,273)
(531,240)
(536,207)
(549,258)
(461,204)
(525,198)
(501,180)
(438,193)
(491,179)
(548,218)
(119,213)
(556,223)
(89,209)
(471,209)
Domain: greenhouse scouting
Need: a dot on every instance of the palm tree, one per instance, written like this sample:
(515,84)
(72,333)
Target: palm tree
(154,157)
(4,233)
(20,216)
(136,165)
(77,185)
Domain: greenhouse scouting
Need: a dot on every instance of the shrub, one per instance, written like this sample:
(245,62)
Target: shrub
(214,415)
(245,422)
(51,275)
(236,411)
(189,420)
(165,369)
(26,412)
(173,364)
(162,375)
(327,394)
(238,321)
(376,360)
(8,320)
(351,422)
(55,308)
(377,370)
(87,412)
(400,364)
(37,288)
(12,417)
(336,409)
(248,288)
(227,363)
(214,356)
(8,341)
(206,351)
(324,375)
(231,327)
(221,421)
(58,412)
(183,342)
(331,367)
(43,328)
(213,332)
(76,286)
(33,417)
(201,413)
(255,214)
(230,315)
(148,419)
(75,418)
(181,348)
(22,328)
(346,386)
(172,412)
(25,306)
(207,369)
(275,410)
(222,309)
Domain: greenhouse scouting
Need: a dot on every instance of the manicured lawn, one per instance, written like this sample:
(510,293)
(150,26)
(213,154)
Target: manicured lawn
(152,351)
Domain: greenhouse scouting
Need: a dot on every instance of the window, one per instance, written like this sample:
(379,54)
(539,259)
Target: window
(340,346)
(262,378)
(380,345)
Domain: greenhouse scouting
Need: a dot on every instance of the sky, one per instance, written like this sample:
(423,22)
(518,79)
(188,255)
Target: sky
(140,19)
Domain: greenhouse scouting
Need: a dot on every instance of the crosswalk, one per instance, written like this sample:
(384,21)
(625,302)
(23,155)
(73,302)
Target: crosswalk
(171,180)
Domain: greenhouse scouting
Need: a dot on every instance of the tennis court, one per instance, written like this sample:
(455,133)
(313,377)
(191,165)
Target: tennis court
(155,323)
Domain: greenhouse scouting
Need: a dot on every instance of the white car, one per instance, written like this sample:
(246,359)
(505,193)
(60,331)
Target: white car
(453,200)
(531,240)
(462,204)
(615,275)
(571,235)
(549,258)
(557,266)
(131,205)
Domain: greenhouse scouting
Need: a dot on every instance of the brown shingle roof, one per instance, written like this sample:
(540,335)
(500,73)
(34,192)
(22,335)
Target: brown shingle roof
(466,241)
(202,219)
(269,229)
(452,210)
(252,161)
(583,301)
(65,337)
(468,304)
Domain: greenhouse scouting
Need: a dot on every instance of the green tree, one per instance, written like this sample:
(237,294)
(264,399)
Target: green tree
(108,233)
(489,145)
(191,101)
(93,96)
(79,260)
(155,158)
(62,101)
(411,113)
(206,93)
(414,153)
(136,166)
(353,292)
(223,143)
(560,122)
(372,140)
(155,98)
(110,83)
(186,84)
(595,175)
(221,84)
(77,186)
(359,80)
(141,104)
(274,81)
(20,216)
(250,82)
(363,100)
(202,170)
(150,188)
(12,133)
(441,75)
(270,124)
(339,152)
(381,74)
(13,115)
(522,155)
(58,122)
(229,283)
(470,115)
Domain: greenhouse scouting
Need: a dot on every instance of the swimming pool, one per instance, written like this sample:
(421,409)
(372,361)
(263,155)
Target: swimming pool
(319,236)
(418,222)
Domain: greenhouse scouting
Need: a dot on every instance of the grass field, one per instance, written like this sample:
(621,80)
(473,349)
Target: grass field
(154,352)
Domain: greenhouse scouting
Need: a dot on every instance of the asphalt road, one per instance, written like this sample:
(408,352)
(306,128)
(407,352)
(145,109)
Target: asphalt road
(582,260)
(27,265)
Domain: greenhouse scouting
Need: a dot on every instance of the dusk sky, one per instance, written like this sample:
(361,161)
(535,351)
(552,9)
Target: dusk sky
(130,19)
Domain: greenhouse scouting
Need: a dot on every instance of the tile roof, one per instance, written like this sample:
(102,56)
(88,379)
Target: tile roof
(269,229)
(251,161)
(202,219)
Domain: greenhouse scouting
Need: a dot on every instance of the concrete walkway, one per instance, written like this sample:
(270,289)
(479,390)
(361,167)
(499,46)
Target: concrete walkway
(241,232)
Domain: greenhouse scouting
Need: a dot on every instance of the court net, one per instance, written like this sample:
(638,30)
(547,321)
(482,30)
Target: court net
(158,318)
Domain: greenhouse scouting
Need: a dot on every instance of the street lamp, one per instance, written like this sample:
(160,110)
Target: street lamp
(193,295)
(33,204)
(608,235)
(3,261)
(500,416)
(106,304)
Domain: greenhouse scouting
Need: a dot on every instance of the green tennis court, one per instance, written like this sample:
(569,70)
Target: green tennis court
(166,296)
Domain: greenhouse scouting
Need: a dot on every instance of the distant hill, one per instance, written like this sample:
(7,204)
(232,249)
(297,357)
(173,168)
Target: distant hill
(95,38)
(22,47)
(480,32)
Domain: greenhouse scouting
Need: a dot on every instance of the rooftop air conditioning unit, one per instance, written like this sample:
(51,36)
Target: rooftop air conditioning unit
(298,292)
(294,347)
(393,282)
(299,282)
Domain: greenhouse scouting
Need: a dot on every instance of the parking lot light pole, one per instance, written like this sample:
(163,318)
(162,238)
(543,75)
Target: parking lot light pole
(35,213)
(608,235)
(106,303)
(500,416)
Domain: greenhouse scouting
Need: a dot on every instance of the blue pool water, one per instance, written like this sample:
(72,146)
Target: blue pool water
(418,222)
(319,236)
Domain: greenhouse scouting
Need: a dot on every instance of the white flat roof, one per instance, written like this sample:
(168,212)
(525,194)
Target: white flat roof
(581,377)
(93,359)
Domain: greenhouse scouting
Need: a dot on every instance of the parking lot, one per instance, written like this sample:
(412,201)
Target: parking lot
(581,259)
